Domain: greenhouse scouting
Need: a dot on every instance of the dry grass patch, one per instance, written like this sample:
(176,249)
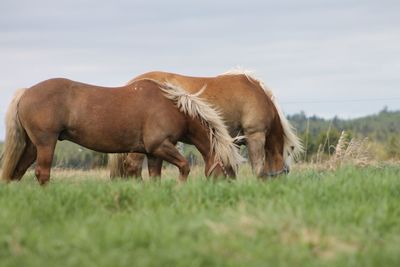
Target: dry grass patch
(241,224)
(354,152)
(321,245)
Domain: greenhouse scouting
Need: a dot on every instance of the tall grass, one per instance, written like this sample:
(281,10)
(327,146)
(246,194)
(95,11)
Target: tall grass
(347,217)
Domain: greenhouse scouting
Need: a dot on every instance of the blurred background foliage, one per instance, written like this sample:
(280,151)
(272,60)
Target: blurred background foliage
(318,134)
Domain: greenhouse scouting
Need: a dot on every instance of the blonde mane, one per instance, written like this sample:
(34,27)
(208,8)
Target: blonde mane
(222,144)
(293,146)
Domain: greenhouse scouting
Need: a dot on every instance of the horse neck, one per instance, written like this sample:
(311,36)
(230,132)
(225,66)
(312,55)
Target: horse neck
(275,141)
(204,147)
(199,136)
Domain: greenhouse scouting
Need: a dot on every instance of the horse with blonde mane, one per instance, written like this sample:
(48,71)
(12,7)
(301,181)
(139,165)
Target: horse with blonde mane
(145,117)
(248,108)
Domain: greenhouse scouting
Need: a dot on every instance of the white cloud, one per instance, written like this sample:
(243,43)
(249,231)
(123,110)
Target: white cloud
(308,50)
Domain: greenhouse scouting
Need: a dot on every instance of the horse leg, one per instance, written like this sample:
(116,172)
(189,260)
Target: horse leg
(154,165)
(167,151)
(26,160)
(44,159)
(134,163)
(256,147)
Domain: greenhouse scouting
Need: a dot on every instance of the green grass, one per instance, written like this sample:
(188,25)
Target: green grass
(346,218)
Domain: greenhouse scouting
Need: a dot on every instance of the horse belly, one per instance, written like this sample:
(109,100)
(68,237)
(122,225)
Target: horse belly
(108,135)
(105,142)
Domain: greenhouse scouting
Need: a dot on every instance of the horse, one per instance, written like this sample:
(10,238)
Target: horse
(247,106)
(144,117)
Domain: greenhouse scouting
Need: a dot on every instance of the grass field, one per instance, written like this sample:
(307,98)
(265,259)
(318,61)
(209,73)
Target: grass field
(350,217)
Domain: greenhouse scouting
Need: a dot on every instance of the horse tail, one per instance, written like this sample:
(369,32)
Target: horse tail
(293,147)
(222,144)
(15,138)
(116,164)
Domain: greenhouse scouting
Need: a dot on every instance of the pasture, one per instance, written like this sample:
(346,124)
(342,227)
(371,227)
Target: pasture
(347,217)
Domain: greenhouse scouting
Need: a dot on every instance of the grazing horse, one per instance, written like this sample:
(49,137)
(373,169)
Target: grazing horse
(144,117)
(247,107)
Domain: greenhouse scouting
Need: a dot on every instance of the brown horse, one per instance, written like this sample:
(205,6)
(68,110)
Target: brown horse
(247,107)
(143,117)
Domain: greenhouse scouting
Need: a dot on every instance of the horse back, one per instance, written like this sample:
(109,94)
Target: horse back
(85,114)
(241,100)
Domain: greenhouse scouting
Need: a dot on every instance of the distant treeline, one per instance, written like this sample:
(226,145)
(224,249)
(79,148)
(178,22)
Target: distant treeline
(382,130)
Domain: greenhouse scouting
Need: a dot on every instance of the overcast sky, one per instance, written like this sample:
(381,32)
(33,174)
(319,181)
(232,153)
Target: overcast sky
(339,57)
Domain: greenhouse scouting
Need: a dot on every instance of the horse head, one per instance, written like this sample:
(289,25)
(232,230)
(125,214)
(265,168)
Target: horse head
(219,169)
(282,145)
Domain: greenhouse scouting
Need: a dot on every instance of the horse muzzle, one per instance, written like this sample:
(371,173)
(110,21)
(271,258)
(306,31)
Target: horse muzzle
(285,170)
